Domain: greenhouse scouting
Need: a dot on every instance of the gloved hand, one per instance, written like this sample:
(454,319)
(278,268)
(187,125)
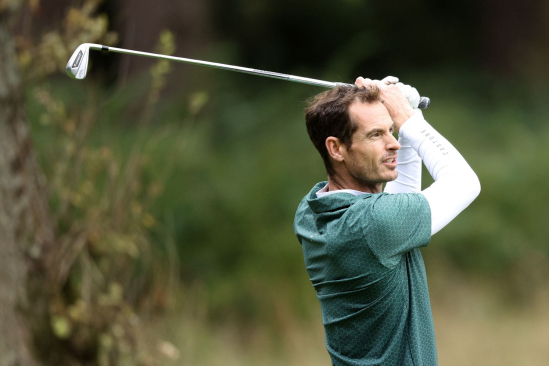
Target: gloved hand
(409,92)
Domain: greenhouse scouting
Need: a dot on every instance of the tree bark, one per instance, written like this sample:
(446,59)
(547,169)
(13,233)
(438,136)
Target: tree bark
(26,230)
(140,23)
(514,39)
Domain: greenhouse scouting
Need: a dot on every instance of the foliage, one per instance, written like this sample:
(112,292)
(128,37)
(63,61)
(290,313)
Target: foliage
(50,54)
(101,204)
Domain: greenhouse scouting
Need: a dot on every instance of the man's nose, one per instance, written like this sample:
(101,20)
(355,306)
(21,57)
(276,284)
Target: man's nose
(393,143)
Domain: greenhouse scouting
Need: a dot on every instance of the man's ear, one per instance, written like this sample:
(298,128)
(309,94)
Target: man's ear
(335,148)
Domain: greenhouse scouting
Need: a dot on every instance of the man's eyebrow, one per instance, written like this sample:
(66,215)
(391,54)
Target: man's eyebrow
(378,129)
(374,130)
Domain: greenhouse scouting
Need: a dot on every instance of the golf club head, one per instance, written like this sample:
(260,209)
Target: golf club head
(77,67)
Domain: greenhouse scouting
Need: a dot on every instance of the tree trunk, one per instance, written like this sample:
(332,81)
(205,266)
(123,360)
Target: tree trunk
(514,39)
(26,230)
(141,22)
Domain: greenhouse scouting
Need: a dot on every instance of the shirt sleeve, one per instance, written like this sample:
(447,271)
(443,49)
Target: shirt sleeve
(396,224)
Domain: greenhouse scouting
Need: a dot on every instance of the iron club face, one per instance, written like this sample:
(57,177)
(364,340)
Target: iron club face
(77,67)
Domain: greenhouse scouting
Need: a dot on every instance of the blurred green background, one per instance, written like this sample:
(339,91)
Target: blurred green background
(183,181)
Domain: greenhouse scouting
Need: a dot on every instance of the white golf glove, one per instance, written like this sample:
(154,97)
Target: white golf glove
(409,92)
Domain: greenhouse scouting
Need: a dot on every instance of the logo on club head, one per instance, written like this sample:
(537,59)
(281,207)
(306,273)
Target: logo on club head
(78,59)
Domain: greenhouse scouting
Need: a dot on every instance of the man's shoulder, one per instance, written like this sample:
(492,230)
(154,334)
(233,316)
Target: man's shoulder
(313,210)
(304,203)
(304,209)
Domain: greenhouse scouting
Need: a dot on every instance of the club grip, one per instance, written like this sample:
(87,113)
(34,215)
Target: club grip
(424,103)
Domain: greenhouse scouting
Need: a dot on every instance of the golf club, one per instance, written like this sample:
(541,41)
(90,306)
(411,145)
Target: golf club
(77,67)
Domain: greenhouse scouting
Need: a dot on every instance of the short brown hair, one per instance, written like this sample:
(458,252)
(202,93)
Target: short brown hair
(327,115)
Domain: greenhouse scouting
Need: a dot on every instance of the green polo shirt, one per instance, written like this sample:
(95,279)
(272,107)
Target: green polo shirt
(362,256)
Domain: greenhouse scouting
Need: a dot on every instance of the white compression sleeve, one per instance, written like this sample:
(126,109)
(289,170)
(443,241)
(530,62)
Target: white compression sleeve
(456,184)
(408,168)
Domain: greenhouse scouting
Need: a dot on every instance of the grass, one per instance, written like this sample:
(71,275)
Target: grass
(472,328)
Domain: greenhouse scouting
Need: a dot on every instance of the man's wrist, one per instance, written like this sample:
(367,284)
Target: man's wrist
(415,115)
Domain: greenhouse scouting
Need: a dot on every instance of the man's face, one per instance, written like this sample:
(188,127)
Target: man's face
(371,159)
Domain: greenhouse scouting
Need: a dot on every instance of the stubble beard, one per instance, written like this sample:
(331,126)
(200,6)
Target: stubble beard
(370,176)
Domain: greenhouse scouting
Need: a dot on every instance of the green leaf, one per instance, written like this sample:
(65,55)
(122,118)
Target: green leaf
(61,326)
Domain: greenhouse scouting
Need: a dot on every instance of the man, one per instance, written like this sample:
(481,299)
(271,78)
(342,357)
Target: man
(360,243)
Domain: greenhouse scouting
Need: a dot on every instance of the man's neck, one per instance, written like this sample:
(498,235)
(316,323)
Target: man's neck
(337,182)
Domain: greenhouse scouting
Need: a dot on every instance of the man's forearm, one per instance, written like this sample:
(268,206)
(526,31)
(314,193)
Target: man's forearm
(456,184)
(409,171)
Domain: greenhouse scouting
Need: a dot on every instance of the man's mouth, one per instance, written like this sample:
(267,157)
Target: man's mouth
(390,161)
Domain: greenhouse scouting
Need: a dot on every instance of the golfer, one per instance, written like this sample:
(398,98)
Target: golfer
(360,242)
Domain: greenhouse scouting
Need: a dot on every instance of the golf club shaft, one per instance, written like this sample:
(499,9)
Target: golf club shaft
(274,75)
(424,102)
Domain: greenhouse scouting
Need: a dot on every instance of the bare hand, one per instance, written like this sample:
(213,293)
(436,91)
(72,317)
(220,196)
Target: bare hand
(392,98)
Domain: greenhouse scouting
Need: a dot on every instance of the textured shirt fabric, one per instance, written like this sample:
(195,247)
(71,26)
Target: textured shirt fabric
(362,256)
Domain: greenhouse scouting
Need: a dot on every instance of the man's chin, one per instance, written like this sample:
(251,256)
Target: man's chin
(391,177)
(380,179)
